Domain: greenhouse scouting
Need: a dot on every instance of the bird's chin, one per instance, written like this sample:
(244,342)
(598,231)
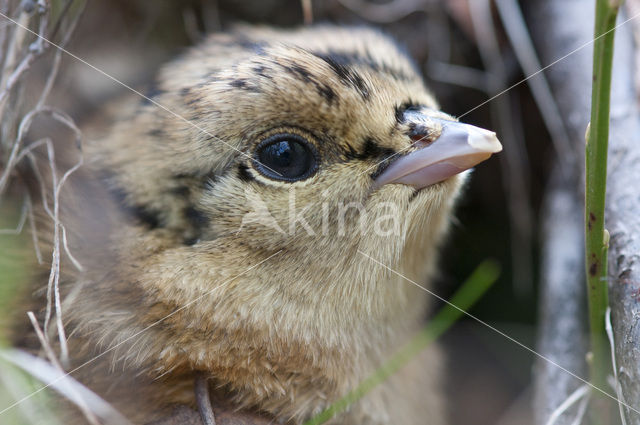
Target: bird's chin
(415,195)
(449,186)
(417,191)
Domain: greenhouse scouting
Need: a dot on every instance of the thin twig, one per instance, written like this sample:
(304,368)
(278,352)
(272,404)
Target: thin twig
(35,51)
(34,232)
(14,45)
(63,383)
(65,244)
(515,162)
(50,79)
(616,382)
(67,121)
(53,288)
(596,247)
(33,162)
(64,351)
(582,410)
(203,400)
(307,11)
(54,361)
(577,395)
(23,128)
(63,14)
(516,30)
(14,70)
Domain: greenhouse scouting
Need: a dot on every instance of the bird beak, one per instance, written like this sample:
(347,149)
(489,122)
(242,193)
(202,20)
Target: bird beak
(458,148)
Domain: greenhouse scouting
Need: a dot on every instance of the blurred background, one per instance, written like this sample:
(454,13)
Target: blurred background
(467,55)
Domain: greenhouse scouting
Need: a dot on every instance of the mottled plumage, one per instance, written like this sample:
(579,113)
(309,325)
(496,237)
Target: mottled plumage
(177,280)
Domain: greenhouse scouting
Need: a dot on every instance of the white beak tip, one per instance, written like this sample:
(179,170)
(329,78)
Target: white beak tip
(484,140)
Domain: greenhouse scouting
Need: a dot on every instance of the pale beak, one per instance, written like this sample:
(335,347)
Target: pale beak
(458,148)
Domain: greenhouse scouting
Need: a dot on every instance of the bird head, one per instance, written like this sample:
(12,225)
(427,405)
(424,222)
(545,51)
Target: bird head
(275,163)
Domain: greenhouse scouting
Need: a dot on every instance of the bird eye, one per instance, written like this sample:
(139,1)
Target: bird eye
(287,157)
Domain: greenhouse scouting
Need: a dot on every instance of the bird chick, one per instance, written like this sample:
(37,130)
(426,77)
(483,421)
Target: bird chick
(231,220)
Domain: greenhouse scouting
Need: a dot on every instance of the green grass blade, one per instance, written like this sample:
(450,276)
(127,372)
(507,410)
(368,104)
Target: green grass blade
(596,182)
(596,244)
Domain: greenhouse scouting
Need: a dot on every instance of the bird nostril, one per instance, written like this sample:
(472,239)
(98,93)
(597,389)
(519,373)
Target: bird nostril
(416,138)
(422,139)
(422,128)
(423,134)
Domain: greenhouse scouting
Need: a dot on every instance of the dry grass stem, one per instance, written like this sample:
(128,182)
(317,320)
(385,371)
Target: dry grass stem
(80,402)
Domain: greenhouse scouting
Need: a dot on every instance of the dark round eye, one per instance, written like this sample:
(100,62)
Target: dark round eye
(287,157)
